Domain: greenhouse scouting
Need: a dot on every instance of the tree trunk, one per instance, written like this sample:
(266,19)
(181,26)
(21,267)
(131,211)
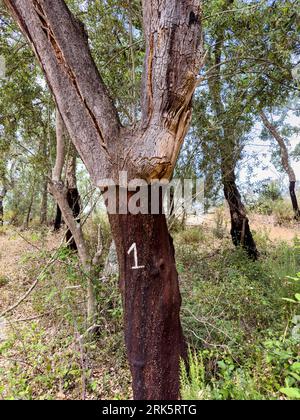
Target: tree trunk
(3,192)
(73,196)
(60,193)
(285,160)
(151,299)
(28,214)
(58,219)
(44,204)
(1,211)
(294,199)
(240,228)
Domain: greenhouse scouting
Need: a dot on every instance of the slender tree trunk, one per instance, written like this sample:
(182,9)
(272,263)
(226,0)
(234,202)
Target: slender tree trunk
(285,160)
(3,192)
(60,193)
(28,214)
(73,196)
(240,228)
(58,219)
(294,199)
(59,164)
(44,201)
(1,211)
(151,299)
(44,204)
(67,199)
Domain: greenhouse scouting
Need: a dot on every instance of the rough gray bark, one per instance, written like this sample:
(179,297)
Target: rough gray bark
(149,151)
(285,160)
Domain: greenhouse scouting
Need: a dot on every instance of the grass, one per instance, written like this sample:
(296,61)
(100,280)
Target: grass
(238,327)
(237,324)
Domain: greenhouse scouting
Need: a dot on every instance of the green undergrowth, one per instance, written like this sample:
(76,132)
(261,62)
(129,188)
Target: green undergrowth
(241,332)
(239,321)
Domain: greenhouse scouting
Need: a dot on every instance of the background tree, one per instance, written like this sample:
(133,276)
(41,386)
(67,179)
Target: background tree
(249,65)
(285,161)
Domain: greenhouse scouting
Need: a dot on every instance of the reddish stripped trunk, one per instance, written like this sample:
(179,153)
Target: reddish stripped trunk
(151,300)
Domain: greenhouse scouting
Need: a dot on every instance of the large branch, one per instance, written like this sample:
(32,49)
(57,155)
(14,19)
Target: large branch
(173,55)
(61,46)
(174,52)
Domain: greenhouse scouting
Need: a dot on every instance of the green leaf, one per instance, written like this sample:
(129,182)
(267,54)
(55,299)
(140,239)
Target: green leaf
(291,392)
(296,367)
(295,376)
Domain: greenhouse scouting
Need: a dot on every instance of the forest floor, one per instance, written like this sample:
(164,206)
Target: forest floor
(44,350)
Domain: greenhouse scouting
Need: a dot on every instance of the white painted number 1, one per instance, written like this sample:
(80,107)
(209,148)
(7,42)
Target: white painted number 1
(133,249)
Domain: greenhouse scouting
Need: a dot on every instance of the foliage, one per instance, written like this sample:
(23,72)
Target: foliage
(270,191)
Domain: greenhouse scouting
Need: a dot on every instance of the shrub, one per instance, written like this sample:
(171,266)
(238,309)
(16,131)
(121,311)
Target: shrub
(283,212)
(220,223)
(191,236)
(270,191)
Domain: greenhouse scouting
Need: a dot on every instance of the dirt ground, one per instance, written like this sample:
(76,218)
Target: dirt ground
(263,225)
